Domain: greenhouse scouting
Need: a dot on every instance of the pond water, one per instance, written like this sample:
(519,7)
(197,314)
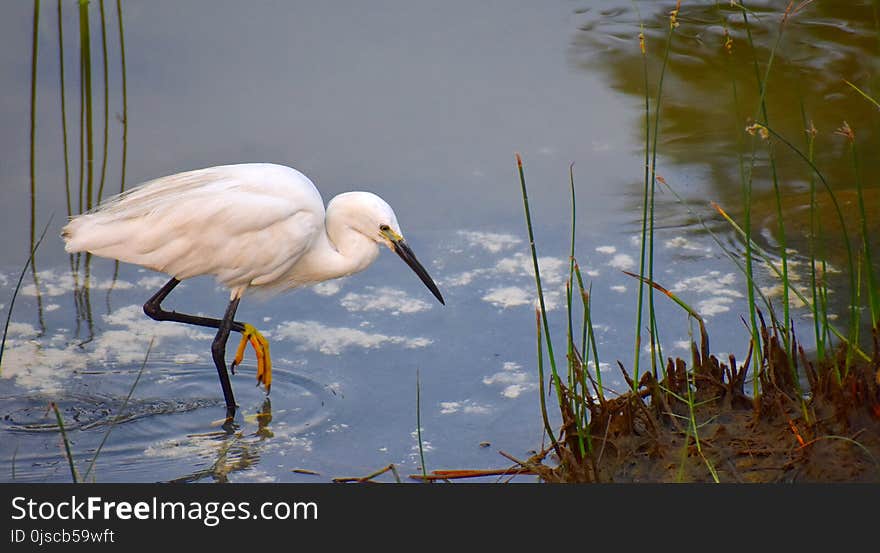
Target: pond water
(426,105)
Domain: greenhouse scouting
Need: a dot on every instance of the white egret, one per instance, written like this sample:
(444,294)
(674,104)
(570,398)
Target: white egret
(252,226)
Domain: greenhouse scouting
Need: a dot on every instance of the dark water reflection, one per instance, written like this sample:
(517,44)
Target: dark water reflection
(702,122)
(710,95)
(425,105)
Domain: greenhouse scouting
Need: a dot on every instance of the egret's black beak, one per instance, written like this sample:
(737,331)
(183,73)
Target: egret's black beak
(401,248)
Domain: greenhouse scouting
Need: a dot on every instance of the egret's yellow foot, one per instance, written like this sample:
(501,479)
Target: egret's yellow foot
(261,348)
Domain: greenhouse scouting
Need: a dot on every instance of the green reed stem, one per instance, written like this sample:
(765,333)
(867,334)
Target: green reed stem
(853,307)
(810,134)
(14,456)
(823,304)
(121,411)
(578,402)
(870,275)
(693,429)
(747,193)
(540,289)
(569,340)
(576,377)
(863,94)
(124,96)
(656,350)
(733,258)
(820,318)
(33,130)
(33,163)
(61,94)
(783,248)
(419,425)
(746,184)
(541,394)
(106,102)
(16,290)
(646,255)
(746,180)
(850,441)
(588,339)
(86,96)
(572,375)
(66,442)
(124,132)
(641,294)
(873,290)
(772,266)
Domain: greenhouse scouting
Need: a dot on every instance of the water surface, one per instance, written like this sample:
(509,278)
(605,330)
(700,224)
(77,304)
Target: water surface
(426,105)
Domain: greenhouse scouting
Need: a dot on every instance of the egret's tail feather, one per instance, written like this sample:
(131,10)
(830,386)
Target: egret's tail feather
(84,234)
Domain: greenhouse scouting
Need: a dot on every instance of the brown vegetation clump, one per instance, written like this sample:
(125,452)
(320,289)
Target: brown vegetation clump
(829,432)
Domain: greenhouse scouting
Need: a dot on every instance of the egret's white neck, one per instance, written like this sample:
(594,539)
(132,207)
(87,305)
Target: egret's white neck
(352,252)
(339,251)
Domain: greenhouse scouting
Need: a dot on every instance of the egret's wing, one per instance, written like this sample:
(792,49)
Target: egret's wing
(238,223)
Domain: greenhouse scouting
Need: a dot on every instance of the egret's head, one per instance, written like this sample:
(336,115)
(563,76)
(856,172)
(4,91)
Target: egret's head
(368,214)
(371,216)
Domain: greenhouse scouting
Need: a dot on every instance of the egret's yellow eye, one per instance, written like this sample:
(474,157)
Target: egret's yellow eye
(384,228)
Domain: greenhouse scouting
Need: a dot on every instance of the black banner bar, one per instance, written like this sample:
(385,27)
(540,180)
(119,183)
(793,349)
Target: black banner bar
(37,516)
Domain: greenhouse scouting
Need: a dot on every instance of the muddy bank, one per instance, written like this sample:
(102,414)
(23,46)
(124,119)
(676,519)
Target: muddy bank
(824,428)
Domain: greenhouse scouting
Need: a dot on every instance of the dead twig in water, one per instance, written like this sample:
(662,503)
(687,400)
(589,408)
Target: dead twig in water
(369,478)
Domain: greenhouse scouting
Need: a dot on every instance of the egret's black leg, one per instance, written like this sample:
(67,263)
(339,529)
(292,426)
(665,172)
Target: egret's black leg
(218,351)
(153,308)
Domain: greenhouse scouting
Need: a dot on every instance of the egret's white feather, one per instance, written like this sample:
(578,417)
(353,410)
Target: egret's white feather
(225,221)
(252,225)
